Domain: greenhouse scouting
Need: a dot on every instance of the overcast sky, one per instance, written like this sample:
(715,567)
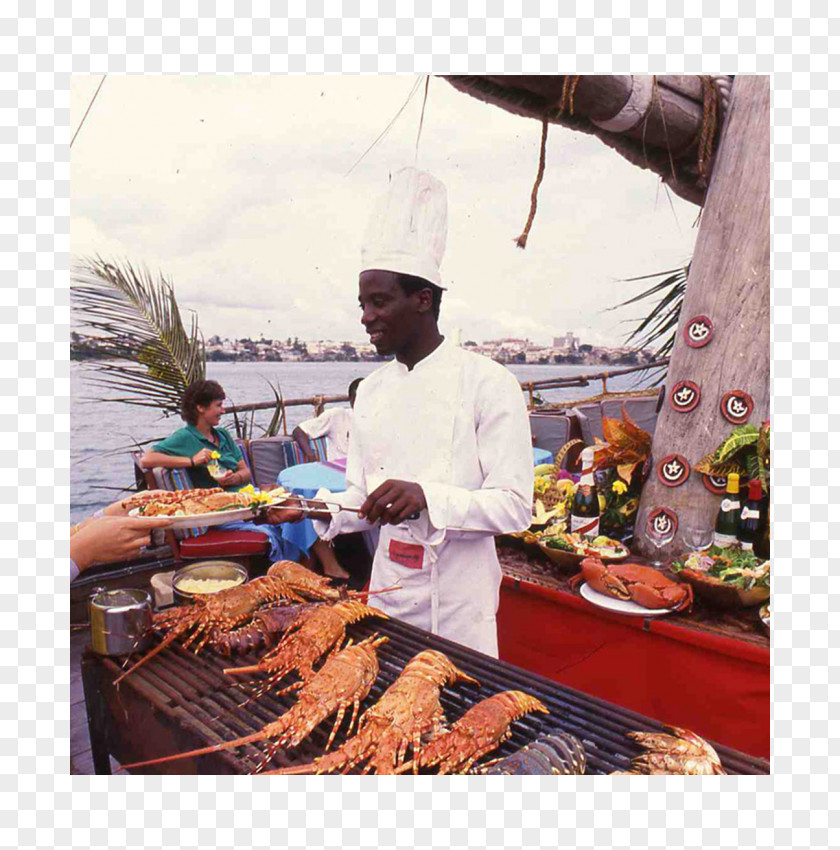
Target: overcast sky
(235,188)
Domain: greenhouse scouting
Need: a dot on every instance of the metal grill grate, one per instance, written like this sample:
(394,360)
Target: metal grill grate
(208,701)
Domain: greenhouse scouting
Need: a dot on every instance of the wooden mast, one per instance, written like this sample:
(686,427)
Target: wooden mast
(730,284)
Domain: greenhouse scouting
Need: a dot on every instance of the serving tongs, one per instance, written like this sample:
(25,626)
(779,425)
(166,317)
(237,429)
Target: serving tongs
(314,506)
(321,506)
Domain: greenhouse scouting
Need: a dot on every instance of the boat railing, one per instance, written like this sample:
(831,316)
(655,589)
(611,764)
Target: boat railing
(318,402)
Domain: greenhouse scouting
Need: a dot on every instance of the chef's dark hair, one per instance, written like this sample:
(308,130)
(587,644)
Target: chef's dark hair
(199,394)
(411,284)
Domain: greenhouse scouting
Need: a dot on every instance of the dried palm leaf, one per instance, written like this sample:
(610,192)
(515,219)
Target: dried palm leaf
(139,317)
(660,325)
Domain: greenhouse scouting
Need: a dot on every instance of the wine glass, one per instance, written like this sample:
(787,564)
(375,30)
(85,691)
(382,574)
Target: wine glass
(698,538)
(659,535)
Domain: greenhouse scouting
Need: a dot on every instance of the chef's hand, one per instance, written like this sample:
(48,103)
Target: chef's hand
(202,457)
(113,538)
(393,502)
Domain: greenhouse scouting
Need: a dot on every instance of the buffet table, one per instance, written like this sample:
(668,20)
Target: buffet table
(708,671)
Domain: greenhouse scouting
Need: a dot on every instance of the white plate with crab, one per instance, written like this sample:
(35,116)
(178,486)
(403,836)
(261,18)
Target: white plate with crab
(620,606)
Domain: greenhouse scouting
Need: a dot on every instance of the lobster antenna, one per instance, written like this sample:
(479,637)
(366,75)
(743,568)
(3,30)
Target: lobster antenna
(170,638)
(215,748)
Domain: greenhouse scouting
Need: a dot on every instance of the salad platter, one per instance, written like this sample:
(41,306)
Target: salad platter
(726,578)
(568,549)
(206,507)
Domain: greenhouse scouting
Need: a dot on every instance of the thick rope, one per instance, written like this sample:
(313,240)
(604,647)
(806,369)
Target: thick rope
(566,103)
(572,87)
(709,128)
(522,239)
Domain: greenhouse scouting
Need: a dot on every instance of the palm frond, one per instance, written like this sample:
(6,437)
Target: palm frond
(660,324)
(273,428)
(140,318)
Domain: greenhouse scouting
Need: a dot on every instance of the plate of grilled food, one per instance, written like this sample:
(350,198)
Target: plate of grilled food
(204,507)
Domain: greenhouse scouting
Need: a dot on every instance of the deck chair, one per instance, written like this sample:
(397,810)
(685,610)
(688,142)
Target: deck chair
(271,455)
(244,447)
(550,431)
(589,417)
(192,543)
(643,411)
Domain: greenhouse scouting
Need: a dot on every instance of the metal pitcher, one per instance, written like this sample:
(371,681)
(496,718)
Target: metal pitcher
(120,621)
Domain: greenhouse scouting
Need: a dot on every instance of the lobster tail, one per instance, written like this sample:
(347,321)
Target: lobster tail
(480,730)
(351,611)
(437,668)
(521,703)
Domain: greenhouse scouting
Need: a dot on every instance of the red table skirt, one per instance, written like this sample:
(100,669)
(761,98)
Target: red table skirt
(716,686)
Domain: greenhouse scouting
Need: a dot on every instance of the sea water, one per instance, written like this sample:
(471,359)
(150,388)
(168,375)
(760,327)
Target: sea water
(103,434)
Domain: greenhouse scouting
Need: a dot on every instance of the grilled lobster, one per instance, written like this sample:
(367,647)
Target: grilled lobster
(480,730)
(344,680)
(557,755)
(214,620)
(683,752)
(407,710)
(643,585)
(265,629)
(308,584)
(317,630)
(207,619)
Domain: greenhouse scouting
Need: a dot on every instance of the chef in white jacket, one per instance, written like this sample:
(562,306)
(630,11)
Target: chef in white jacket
(439,433)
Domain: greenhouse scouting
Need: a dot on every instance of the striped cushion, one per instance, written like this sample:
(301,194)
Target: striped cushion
(181,480)
(294,455)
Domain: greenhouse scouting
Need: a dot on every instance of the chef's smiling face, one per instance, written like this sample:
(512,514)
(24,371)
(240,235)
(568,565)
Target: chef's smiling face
(388,314)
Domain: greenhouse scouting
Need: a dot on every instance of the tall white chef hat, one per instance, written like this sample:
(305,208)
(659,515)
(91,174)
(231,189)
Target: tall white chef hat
(407,231)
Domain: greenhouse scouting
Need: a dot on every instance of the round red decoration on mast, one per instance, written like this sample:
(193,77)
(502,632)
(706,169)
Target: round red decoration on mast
(715,484)
(736,407)
(684,396)
(698,332)
(673,470)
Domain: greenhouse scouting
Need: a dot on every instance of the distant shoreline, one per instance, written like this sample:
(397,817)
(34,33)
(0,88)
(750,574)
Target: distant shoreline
(602,357)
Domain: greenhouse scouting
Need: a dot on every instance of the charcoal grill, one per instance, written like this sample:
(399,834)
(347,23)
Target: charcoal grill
(180,701)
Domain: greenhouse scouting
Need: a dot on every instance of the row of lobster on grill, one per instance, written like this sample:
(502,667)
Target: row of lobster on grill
(403,731)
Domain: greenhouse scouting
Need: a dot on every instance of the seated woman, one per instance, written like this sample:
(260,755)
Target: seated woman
(192,447)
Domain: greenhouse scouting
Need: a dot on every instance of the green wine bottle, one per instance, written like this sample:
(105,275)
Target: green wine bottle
(728,518)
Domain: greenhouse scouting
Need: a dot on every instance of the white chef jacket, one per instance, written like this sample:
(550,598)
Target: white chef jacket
(457,425)
(334,424)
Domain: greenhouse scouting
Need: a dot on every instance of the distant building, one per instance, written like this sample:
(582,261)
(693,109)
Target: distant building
(569,342)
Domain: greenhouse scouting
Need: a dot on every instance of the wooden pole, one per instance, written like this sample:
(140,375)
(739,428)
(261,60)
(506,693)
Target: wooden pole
(729,283)
(655,122)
